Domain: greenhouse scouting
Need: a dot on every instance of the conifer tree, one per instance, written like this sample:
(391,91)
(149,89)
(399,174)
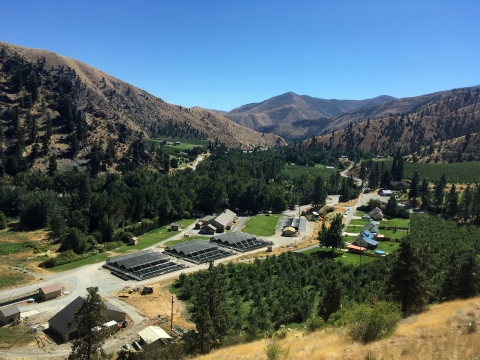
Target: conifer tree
(52,165)
(406,281)
(424,194)
(452,201)
(331,300)
(332,237)
(414,185)
(89,316)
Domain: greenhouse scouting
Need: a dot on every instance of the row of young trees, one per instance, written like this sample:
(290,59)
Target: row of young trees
(252,299)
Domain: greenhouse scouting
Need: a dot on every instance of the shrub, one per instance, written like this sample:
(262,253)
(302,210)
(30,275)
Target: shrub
(3,221)
(274,350)
(370,323)
(126,237)
(314,323)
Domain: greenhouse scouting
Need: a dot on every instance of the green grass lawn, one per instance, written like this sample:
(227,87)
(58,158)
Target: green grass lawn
(391,222)
(405,223)
(361,213)
(16,335)
(76,264)
(152,237)
(261,225)
(174,242)
(392,234)
(388,246)
(144,241)
(338,255)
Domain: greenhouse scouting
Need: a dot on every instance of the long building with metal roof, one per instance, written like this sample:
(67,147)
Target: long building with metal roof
(198,251)
(239,241)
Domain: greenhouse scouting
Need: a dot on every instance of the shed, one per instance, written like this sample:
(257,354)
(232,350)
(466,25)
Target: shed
(50,292)
(133,241)
(289,231)
(153,333)
(174,226)
(9,314)
(356,249)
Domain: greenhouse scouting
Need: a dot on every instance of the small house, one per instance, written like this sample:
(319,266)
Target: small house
(376,214)
(50,292)
(399,185)
(133,241)
(289,231)
(372,227)
(365,239)
(9,314)
(174,226)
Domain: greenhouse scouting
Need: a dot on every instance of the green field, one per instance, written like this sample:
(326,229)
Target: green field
(404,223)
(261,225)
(295,171)
(343,256)
(185,144)
(185,239)
(459,173)
(152,237)
(144,241)
(16,335)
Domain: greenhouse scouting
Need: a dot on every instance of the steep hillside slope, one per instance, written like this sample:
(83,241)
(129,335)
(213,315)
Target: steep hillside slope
(295,116)
(86,106)
(445,331)
(463,148)
(431,118)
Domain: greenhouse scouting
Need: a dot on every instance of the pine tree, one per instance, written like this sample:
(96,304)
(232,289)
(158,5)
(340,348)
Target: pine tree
(414,188)
(52,165)
(48,130)
(209,311)
(391,208)
(465,207)
(332,237)
(89,316)
(319,192)
(331,300)
(452,201)
(406,281)
(424,194)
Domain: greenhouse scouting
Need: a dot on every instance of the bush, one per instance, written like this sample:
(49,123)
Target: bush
(3,221)
(370,323)
(126,237)
(110,245)
(314,323)
(274,350)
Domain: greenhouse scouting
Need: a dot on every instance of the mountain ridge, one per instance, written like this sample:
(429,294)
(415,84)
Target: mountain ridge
(280,113)
(106,107)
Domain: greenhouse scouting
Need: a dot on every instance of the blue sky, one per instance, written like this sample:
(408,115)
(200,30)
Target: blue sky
(223,54)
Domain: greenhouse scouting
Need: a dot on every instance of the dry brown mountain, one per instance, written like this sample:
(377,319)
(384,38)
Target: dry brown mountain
(295,116)
(36,85)
(423,121)
(463,148)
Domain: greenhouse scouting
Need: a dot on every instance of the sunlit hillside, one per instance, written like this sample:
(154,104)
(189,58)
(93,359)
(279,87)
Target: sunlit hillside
(443,332)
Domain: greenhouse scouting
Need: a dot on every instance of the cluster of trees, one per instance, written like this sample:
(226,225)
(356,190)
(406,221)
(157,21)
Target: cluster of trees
(378,175)
(255,298)
(462,205)
(84,210)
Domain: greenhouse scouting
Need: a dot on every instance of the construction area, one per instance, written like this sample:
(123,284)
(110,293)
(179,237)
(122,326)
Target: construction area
(142,265)
(239,241)
(198,251)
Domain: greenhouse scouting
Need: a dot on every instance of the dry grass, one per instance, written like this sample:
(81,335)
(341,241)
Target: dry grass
(158,303)
(440,333)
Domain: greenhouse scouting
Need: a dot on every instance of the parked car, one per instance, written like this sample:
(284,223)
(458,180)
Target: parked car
(365,217)
(126,347)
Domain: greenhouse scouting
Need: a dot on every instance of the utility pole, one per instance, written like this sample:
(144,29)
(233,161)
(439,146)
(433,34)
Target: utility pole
(171,317)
